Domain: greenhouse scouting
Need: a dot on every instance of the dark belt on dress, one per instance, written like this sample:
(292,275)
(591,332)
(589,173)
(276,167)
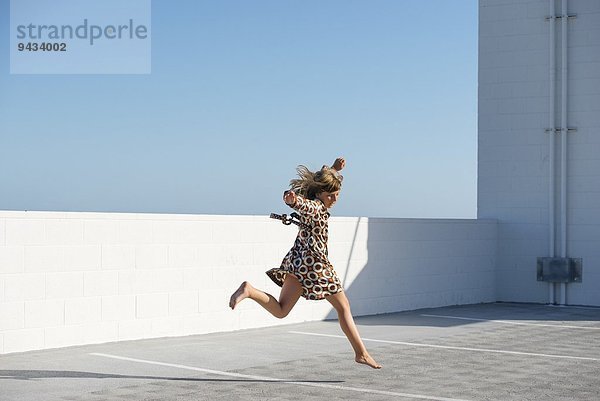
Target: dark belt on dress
(293,218)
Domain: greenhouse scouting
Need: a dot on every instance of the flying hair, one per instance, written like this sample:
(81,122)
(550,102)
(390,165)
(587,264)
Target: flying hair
(309,184)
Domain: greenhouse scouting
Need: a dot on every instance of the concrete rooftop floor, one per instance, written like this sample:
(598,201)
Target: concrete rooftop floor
(497,351)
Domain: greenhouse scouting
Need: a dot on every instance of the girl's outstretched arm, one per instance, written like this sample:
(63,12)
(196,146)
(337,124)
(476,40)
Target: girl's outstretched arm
(301,204)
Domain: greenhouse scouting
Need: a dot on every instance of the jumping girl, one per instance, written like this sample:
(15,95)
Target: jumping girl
(306,270)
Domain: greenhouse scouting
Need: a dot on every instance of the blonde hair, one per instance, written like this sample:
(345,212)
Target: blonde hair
(310,184)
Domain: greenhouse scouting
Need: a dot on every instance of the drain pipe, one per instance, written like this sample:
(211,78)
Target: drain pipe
(551,125)
(564,130)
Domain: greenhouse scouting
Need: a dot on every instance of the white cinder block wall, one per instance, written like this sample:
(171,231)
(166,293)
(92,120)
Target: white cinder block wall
(78,278)
(514,149)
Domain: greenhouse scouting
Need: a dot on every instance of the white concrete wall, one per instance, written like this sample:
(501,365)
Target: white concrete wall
(513,177)
(78,278)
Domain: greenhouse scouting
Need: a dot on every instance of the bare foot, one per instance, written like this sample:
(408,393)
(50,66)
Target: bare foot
(242,293)
(367,360)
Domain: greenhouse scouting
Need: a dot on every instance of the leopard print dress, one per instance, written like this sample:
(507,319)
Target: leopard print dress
(308,259)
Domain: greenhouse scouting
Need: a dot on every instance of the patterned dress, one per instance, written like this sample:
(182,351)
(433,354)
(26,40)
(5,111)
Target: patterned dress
(308,259)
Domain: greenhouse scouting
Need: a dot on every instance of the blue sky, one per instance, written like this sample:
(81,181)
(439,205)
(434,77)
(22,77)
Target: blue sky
(240,93)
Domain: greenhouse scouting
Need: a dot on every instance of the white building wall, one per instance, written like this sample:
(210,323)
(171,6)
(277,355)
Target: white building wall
(513,177)
(79,278)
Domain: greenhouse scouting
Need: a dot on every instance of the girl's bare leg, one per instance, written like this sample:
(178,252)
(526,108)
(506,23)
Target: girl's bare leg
(342,306)
(290,292)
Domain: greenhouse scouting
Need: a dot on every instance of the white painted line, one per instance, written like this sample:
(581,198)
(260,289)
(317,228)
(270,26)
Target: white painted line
(513,322)
(275,380)
(496,351)
(596,308)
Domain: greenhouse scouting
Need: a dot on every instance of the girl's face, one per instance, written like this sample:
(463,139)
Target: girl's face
(328,198)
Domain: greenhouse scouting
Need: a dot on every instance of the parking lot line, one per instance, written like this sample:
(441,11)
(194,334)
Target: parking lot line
(512,322)
(276,380)
(496,351)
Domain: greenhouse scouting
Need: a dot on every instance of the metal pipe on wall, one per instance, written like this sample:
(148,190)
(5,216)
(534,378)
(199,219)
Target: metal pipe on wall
(563,154)
(552,150)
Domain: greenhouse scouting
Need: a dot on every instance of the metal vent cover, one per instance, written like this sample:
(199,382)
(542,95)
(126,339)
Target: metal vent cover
(559,270)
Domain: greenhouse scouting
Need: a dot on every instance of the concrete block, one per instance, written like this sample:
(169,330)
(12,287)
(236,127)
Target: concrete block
(585,70)
(134,329)
(151,256)
(349,229)
(183,303)
(585,216)
(267,254)
(502,12)
(2,232)
(86,257)
(63,336)
(226,232)
(585,200)
(584,232)
(210,255)
(221,321)
(197,279)
(255,318)
(141,282)
(585,86)
(167,326)
(584,249)
(44,258)
(588,152)
(214,300)
(25,232)
(320,310)
(585,54)
(64,232)
(127,282)
(278,233)
(44,313)
(118,256)
(101,332)
(226,277)
(162,280)
(100,283)
(24,287)
(64,285)
(583,103)
(12,315)
(232,255)
(182,232)
(195,325)
(529,121)
(512,74)
(118,308)
(256,231)
(586,119)
(101,231)
(351,272)
(135,232)
(12,259)
(182,256)
(23,340)
(152,305)
(83,310)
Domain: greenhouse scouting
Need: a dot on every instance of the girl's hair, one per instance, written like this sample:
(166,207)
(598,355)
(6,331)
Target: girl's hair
(311,184)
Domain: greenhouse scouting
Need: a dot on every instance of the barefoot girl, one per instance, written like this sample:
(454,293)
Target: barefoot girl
(306,270)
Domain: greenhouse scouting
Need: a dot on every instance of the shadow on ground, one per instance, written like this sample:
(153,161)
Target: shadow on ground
(70,374)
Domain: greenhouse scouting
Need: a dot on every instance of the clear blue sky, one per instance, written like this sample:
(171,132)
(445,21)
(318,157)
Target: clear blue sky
(240,93)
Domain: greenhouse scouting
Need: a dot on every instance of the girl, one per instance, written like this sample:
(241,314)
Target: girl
(306,270)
